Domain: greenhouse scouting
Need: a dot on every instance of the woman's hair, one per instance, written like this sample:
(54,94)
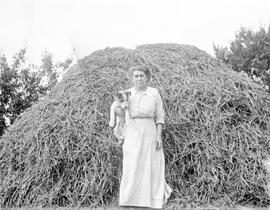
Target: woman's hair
(142,68)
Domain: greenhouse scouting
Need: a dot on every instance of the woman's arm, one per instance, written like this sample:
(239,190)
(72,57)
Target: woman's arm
(158,137)
(159,118)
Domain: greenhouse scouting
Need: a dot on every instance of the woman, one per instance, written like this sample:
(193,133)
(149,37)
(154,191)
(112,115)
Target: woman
(143,179)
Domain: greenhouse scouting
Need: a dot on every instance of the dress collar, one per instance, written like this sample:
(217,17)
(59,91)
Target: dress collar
(133,91)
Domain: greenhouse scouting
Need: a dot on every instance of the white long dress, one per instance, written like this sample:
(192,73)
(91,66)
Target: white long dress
(143,178)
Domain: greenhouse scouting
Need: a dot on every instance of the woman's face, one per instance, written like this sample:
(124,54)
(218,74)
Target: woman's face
(139,79)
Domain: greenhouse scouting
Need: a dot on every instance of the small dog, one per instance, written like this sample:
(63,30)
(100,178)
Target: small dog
(119,114)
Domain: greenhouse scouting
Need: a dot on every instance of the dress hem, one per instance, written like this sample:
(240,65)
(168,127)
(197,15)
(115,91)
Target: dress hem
(141,202)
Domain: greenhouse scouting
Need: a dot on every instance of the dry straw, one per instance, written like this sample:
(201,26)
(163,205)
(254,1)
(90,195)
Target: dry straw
(61,151)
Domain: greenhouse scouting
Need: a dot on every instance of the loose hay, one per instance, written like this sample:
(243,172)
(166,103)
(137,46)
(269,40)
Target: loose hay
(61,151)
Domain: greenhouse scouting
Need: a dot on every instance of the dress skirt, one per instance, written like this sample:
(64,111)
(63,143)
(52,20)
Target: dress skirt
(143,178)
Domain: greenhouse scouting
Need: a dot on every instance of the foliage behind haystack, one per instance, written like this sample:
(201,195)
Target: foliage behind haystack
(216,135)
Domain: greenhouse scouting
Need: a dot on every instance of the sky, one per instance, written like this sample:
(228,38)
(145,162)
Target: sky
(59,26)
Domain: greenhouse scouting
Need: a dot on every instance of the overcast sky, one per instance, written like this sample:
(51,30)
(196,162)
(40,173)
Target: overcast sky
(89,25)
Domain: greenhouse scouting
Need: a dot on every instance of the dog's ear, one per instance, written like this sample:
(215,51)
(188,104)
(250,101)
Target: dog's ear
(127,93)
(119,97)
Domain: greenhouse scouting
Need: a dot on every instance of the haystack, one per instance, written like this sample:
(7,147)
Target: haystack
(61,152)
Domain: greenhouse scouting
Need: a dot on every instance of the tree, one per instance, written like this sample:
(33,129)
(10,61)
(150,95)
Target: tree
(19,87)
(51,71)
(48,70)
(22,84)
(249,52)
(29,86)
(8,85)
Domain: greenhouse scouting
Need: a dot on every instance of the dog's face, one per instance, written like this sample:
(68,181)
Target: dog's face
(123,98)
(119,97)
(119,108)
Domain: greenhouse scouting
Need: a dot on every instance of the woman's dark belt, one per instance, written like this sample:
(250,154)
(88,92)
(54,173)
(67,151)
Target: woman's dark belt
(141,117)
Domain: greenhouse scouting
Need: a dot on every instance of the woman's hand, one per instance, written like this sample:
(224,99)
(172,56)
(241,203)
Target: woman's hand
(158,143)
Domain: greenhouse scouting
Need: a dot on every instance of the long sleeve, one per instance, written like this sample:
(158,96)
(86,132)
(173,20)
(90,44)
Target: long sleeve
(159,111)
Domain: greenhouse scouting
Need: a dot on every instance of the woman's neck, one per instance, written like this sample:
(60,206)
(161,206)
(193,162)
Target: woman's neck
(141,89)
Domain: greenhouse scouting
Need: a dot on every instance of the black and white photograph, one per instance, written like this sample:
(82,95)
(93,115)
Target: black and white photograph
(134,104)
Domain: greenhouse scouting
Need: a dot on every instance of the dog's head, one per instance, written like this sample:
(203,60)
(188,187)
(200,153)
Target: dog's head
(123,98)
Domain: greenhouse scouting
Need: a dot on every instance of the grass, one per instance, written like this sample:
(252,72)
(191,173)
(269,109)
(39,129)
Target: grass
(138,208)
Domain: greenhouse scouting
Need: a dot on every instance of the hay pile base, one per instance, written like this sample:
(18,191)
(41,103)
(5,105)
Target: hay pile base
(61,151)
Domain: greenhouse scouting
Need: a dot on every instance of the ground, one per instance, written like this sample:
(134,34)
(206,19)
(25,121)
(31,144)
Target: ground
(135,208)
